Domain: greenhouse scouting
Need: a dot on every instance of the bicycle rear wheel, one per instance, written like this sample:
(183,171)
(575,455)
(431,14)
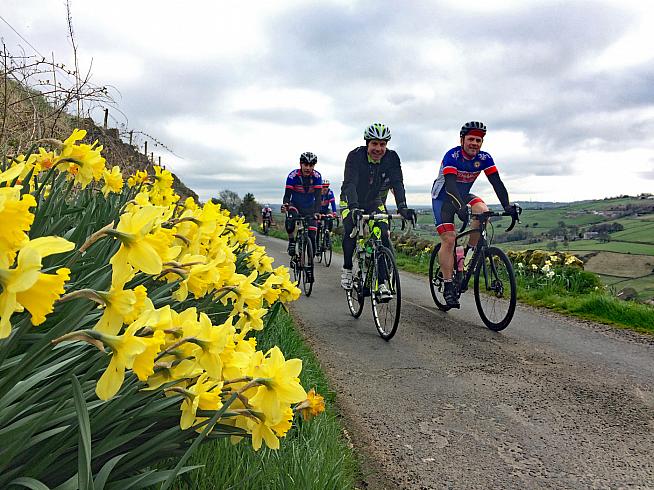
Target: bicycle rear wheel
(385,311)
(495,289)
(327,249)
(355,296)
(266,226)
(436,281)
(306,264)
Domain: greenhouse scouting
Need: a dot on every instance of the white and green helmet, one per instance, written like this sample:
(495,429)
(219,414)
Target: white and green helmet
(377,131)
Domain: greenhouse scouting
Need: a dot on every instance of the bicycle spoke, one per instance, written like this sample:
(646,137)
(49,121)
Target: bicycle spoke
(495,289)
(385,310)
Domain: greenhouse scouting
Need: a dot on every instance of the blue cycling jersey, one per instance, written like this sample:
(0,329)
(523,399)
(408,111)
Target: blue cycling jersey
(466,171)
(303,188)
(327,200)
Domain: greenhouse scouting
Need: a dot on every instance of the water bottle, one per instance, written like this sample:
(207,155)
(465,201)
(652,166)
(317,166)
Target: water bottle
(459,258)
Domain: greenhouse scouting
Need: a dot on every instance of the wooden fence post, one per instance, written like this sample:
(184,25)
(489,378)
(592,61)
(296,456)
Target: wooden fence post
(106,116)
(146,148)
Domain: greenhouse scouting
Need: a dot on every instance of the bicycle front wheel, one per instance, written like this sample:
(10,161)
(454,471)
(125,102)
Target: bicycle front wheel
(306,262)
(327,249)
(355,297)
(385,307)
(436,281)
(495,289)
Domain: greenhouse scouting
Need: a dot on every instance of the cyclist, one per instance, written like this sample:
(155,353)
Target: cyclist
(303,189)
(451,195)
(266,213)
(370,171)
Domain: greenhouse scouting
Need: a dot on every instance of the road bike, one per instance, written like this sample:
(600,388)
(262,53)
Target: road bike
(373,266)
(302,262)
(494,279)
(324,240)
(266,225)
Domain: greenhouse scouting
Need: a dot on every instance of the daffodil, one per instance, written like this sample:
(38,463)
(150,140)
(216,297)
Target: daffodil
(26,287)
(113,181)
(84,162)
(126,349)
(203,395)
(139,248)
(312,406)
(16,220)
(251,319)
(138,178)
(281,385)
(121,306)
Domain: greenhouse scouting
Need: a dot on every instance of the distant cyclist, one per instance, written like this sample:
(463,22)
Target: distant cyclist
(266,213)
(370,171)
(451,195)
(327,200)
(303,189)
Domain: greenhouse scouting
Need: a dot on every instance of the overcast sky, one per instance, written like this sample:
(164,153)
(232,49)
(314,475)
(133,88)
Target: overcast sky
(238,90)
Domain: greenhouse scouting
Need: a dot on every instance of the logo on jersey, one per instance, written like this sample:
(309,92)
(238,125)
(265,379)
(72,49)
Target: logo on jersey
(477,164)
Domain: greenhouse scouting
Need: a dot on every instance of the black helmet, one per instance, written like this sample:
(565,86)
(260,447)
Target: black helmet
(308,158)
(471,125)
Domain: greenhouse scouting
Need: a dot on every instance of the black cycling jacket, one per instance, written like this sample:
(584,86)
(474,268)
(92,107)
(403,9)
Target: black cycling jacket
(364,183)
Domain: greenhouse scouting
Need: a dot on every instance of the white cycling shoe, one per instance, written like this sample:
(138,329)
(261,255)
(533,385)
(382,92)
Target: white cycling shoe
(346,279)
(384,293)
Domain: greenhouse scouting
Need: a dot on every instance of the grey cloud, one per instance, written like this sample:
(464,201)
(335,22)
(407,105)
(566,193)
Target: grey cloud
(279,116)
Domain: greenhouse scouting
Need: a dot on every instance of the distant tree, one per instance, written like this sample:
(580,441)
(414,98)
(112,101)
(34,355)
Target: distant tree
(250,208)
(230,200)
(604,237)
(535,224)
(552,245)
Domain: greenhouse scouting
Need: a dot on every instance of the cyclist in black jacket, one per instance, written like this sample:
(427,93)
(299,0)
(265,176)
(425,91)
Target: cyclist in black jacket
(370,171)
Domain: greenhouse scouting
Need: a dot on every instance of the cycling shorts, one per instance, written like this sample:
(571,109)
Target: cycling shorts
(444,212)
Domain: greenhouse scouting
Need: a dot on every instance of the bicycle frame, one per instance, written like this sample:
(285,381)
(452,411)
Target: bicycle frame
(463,277)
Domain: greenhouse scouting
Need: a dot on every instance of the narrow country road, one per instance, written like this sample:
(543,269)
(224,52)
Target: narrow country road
(548,403)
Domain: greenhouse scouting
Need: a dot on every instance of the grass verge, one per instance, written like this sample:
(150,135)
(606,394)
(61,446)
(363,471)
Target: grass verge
(314,454)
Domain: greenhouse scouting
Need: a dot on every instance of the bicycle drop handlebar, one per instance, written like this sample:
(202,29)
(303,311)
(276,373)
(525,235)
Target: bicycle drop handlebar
(515,217)
(358,228)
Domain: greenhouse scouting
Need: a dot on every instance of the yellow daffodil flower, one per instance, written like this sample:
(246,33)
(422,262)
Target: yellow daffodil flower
(282,385)
(25,286)
(203,395)
(113,181)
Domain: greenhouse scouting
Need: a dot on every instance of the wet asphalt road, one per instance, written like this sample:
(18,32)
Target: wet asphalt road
(547,403)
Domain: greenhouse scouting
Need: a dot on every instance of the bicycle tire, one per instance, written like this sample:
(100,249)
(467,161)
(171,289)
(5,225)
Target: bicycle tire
(327,250)
(355,297)
(295,262)
(307,263)
(436,282)
(386,314)
(495,307)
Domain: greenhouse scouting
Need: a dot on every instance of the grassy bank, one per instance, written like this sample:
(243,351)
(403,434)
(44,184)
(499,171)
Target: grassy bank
(313,454)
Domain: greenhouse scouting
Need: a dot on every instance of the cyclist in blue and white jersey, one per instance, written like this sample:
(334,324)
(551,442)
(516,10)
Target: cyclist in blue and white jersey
(303,189)
(451,195)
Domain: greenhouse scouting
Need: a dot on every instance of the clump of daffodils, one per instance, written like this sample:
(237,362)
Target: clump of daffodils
(179,350)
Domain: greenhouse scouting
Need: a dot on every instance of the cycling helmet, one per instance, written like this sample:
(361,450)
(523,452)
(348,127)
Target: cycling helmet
(377,131)
(309,158)
(266,205)
(472,126)
(325,183)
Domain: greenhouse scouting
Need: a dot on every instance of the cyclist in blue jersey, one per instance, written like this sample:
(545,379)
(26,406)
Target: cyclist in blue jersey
(451,195)
(303,189)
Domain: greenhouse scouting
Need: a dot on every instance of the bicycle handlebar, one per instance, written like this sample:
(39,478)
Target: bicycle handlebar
(515,218)
(371,216)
